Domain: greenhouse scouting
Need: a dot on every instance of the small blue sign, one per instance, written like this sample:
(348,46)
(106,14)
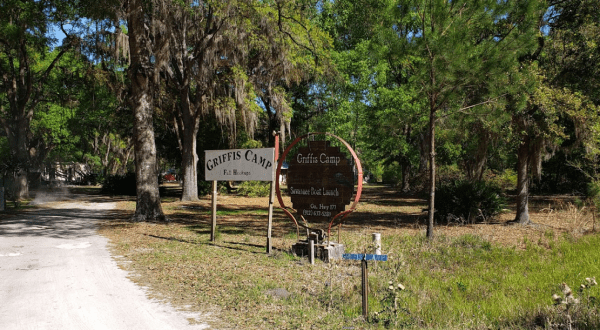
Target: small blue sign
(362,256)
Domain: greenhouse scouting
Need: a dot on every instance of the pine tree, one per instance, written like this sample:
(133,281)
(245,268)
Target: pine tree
(458,49)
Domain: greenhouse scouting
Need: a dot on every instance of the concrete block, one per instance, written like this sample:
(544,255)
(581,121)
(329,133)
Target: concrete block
(322,250)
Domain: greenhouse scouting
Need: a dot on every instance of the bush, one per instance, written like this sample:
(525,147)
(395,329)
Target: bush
(120,185)
(593,193)
(449,173)
(89,179)
(507,180)
(204,187)
(466,201)
(254,189)
(391,173)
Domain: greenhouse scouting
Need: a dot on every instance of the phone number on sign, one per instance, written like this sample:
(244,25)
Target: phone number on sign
(316,213)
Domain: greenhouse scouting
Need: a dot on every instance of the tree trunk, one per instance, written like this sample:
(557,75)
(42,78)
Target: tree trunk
(281,133)
(522,216)
(16,128)
(431,209)
(423,152)
(189,155)
(405,160)
(272,121)
(148,207)
(405,185)
(19,185)
(481,156)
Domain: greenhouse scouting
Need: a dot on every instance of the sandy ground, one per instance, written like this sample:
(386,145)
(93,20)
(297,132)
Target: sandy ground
(57,273)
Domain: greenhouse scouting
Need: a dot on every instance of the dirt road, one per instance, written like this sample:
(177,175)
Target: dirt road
(57,273)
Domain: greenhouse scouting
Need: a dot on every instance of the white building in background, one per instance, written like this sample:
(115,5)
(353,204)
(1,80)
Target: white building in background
(65,172)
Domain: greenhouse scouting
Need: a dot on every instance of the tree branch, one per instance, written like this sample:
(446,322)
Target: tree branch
(462,110)
(280,24)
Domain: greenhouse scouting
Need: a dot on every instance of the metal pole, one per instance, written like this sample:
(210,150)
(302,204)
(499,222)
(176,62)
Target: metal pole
(272,196)
(365,289)
(270,223)
(213,228)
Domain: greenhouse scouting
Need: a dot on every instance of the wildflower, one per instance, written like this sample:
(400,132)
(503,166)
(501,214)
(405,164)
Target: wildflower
(566,290)
(591,281)
(572,300)
(557,299)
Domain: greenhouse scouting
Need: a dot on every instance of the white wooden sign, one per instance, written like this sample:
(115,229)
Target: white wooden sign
(239,165)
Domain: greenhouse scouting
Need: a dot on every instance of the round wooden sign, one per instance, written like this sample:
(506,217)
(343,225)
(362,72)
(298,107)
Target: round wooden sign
(320,181)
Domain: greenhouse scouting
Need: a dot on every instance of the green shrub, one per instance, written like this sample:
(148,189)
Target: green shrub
(507,180)
(449,173)
(254,189)
(466,201)
(593,193)
(119,184)
(204,187)
(391,173)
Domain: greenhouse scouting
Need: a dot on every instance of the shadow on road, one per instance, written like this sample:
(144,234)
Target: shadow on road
(64,220)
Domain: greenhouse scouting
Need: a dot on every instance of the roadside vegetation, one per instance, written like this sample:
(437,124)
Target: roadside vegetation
(476,276)
(481,117)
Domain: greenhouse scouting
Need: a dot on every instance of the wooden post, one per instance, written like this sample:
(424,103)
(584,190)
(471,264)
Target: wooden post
(272,196)
(377,243)
(311,251)
(365,289)
(213,228)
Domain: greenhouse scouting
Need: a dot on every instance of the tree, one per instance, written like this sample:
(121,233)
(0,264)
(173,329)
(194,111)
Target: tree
(223,57)
(24,40)
(102,122)
(571,51)
(458,54)
(291,51)
(49,130)
(565,93)
(205,46)
(368,90)
(147,59)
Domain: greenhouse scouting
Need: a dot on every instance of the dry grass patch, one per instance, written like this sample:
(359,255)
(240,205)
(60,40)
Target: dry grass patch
(243,288)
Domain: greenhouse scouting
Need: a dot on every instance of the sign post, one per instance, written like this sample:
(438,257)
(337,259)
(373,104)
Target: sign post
(270,221)
(365,275)
(238,165)
(213,227)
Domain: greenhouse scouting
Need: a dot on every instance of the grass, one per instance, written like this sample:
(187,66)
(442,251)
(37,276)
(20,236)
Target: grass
(465,282)
(465,278)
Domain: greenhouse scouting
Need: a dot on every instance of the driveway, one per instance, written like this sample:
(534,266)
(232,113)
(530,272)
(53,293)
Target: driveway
(57,273)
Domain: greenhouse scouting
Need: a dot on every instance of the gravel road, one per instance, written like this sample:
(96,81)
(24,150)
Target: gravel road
(57,273)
